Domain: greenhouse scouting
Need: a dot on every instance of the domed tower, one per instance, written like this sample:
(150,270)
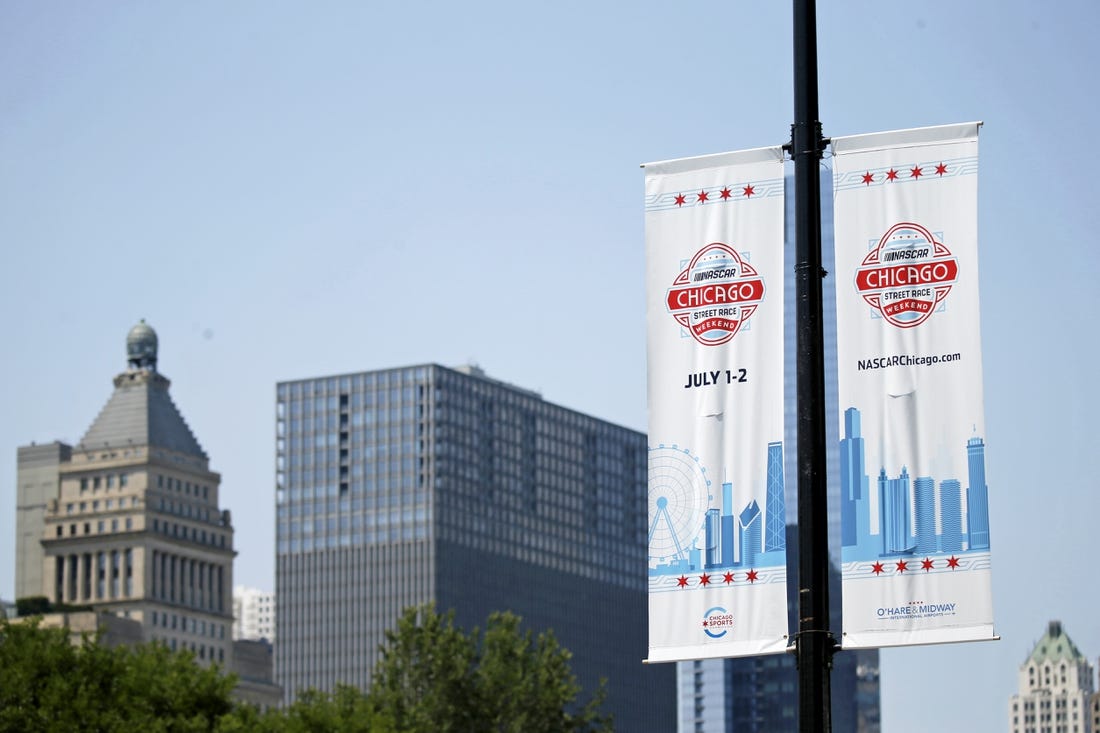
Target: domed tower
(141,347)
(135,526)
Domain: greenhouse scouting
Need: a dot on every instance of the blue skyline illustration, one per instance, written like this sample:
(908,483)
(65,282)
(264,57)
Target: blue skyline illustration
(907,508)
(750,538)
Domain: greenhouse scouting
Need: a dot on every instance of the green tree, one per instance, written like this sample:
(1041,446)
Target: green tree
(344,711)
(434,677)
(526,685)
(49,684)
(425,680)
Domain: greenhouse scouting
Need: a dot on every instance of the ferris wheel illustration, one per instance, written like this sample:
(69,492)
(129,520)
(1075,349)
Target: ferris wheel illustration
(679,496)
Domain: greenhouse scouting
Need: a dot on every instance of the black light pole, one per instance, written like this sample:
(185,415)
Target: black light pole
(814,645)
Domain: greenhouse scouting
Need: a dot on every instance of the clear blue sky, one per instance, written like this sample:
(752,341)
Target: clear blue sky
(287,190)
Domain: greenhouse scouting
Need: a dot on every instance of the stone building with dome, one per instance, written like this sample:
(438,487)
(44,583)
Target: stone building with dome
(127,521)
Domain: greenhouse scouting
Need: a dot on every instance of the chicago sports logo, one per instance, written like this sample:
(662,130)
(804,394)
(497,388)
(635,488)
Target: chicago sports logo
(716,622)
(907,276)
(715,294)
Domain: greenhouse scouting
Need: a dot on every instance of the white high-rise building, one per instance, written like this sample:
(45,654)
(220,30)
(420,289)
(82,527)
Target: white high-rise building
(1056,688)
(253,614)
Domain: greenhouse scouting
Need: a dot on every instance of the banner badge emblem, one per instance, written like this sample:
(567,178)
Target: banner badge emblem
(715,294)
(907,275)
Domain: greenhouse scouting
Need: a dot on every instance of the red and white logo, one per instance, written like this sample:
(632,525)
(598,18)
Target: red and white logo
(907,275)
(715,294)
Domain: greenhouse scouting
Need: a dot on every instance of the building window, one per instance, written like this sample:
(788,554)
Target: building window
(101,575)
(122,481)
(114,574)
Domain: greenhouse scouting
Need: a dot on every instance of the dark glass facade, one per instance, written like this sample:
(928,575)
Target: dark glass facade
(399,487)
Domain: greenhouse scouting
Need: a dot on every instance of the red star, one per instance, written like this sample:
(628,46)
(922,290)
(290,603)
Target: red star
(725,193)
(891,175)
(926,564)
(877,568)
(953,562)
(680,199)
(682,582)
(868,177)
(941,169)
(751,576)
(727,578)
(749,191)
(915,172)
(902,566)
(703,196)
(704,579)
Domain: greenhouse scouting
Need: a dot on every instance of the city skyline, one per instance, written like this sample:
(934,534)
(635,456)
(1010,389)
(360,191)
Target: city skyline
(732,537)
(288,191)
(909,509)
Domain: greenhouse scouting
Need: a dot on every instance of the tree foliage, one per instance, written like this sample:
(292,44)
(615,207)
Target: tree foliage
(432,677)
(49,684)
(38,605)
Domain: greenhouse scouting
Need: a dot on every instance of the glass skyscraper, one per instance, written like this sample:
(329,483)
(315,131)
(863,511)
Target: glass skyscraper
(428,484)
(977,495)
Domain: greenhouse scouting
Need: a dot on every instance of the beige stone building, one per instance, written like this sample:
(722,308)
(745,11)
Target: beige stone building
(127,521)
(1056,688)
(134,526)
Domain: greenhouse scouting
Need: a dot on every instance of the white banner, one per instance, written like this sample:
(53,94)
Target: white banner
(914,500)
(714,293)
